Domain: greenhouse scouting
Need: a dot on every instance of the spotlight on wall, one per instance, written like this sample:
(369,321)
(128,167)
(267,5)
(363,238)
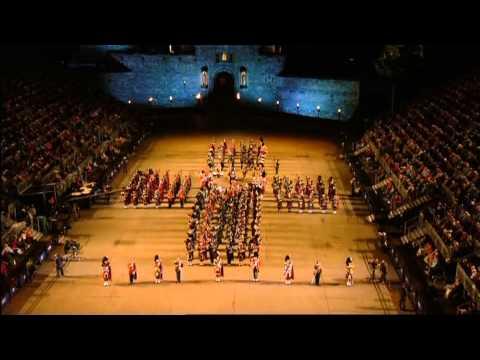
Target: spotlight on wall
(259,99)
(198,96)
(238,96)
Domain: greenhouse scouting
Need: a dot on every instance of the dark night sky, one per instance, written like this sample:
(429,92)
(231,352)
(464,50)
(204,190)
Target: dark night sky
(327,59)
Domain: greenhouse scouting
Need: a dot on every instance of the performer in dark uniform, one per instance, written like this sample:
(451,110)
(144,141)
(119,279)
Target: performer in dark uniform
(179,269)
(383,272)
(317,272)
(255,265)
(229,254)
(241,252)
(190,251)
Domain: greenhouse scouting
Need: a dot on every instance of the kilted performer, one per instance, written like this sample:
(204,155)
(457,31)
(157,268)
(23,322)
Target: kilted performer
(179,269)
(317,272)
(255,266)
(241,252)
(288,274)
(132,271)
(218,269)
(229,254)
(190,251)
(181,196)
(107,271)
(349,271)
(158,270)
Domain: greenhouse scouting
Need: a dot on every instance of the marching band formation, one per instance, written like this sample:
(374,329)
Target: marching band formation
(303,193)
(148,188)
(288,274)
(230,215)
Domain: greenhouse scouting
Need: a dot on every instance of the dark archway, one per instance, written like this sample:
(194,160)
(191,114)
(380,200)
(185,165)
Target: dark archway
(221,99)
(224,86)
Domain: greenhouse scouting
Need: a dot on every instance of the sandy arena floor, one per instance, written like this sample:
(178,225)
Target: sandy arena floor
(141,233)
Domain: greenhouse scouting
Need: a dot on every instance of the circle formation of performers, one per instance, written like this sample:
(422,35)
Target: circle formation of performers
(303,193)
(148,188)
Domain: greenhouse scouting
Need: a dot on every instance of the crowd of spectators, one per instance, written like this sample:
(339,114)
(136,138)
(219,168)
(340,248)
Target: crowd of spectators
(56,131)
(433,148)
(51,128)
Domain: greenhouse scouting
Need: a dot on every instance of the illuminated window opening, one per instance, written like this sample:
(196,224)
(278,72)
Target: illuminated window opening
(204,77)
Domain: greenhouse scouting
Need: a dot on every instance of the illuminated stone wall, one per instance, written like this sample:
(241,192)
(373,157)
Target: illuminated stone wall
(179,76)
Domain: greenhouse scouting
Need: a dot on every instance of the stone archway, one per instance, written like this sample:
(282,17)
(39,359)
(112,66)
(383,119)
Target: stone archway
(224,86)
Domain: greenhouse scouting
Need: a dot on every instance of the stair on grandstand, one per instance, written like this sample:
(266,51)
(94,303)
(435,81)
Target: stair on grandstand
(413,236)
(408,206)
(381,184)
(361,150)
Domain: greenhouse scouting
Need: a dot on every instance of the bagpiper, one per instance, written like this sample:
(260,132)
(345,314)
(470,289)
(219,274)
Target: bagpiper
(324,203)
(349,271)
(317,272)
(218,268)
(181,196)
(335,204)
(241,252)
(170,197)
(107,271)
(158,270)
(255,266)
(190,251)
(178,269)
(288,274)
(132,271)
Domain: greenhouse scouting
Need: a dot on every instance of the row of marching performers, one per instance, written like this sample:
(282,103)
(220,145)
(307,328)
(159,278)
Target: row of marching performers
(229,216)
(303,193)
(251,156)
(147,188)
(288,274)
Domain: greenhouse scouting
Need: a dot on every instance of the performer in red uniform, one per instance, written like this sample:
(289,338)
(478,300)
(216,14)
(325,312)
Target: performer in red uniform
(132,271)
(107,271)
(170,197)
(181,196)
